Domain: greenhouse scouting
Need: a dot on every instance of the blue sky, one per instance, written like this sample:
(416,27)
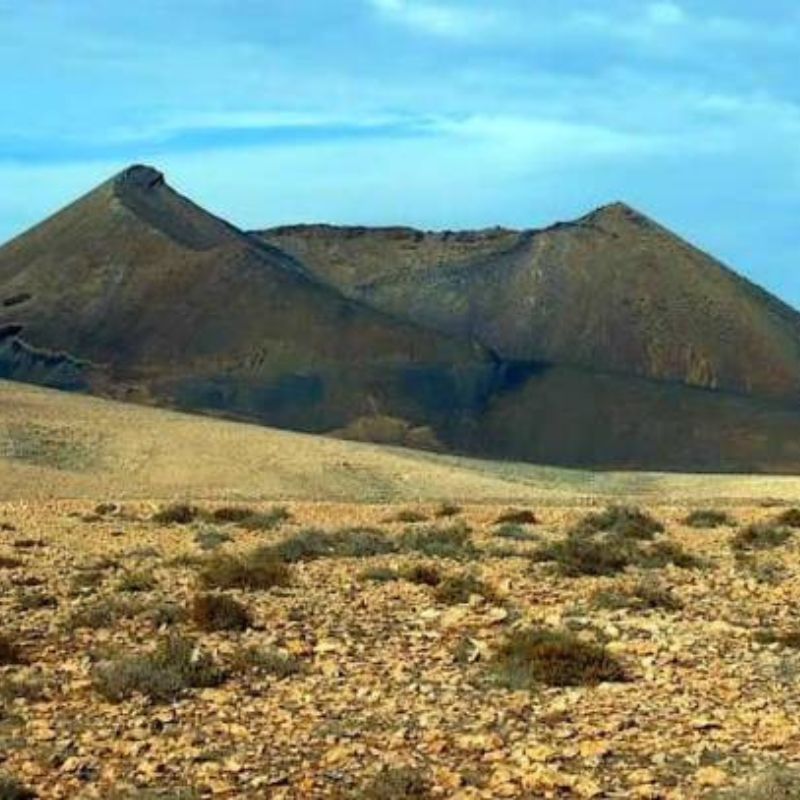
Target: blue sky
(434,113)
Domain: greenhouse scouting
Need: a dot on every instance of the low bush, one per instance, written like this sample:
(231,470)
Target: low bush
(9,562)
(457,589)
(30,689)
(447,510)
(34,600)
(449,542)
(409,515)
(12,789)
(580,555)
(311,544)
(708,518)
(775,783)
(639,597)
(211,538)
(760,536)
(400,783)
(259,569)
(539,656)
(231,514)
(218,612)
(105,613)
(176,514)
(268,520)
(515,532)
(625,521)
(9,651)
(165,614)
(267,662)
(515,516)
(135,582)
(380,575)
(662,554)
(422,574)
(789,639)
(790,518)
(163,675)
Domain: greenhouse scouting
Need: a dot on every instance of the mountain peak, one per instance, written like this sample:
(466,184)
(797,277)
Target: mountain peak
(616,211)
(139,176)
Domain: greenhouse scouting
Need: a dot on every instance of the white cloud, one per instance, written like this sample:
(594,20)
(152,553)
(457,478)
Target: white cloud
(665,13)
(437,18)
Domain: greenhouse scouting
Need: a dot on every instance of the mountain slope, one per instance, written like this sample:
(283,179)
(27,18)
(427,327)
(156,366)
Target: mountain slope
(612,291)
(135,288)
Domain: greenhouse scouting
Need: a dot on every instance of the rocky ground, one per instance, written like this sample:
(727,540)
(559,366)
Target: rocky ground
(356,677)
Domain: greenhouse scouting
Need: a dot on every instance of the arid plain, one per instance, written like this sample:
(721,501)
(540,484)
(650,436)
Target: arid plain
(183,617)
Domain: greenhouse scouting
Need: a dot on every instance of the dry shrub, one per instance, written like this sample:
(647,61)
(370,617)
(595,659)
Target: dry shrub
(539,656)
(259,569)
(218,612)
(514,516)
(162,675)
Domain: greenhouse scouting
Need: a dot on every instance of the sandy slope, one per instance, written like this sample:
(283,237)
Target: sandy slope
(57,445)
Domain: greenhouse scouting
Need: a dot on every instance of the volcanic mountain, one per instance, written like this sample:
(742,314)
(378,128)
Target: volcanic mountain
(603,342)
(612,291)
(135,291)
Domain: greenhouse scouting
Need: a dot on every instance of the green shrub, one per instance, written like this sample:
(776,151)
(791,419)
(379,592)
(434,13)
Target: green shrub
(211,538)
(460,588)
(258,570)
(514,516)
(776,783)
(105,613)
(423,575)
(218,612)
(267,662)
(624,521)
(311,544)
(12,789)
(708,518)
(163,675)
(760,536)
(538,656)
(449,542)
(380,575)
(515,532)
(176,514)
(29,689)
(580,555)
(34,600)
(402,783)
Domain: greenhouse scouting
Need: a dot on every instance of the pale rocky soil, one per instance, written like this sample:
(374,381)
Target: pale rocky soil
(706,705)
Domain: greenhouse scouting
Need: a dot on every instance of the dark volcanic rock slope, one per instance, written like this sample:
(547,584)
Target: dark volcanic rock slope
(612,291)
(135,289)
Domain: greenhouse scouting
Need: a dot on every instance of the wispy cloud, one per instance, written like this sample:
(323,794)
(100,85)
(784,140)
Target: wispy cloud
(436,18)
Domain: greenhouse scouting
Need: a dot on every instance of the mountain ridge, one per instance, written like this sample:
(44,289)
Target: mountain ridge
(605,341)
